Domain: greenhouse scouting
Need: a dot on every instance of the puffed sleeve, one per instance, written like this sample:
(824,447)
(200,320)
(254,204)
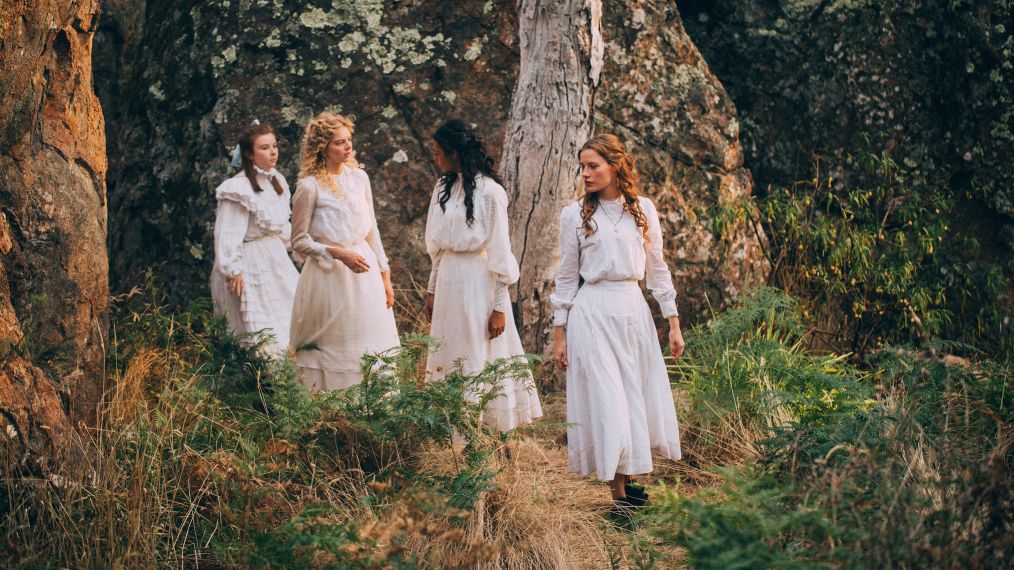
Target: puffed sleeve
(568,273)
(286,233)
(656,272)
(434,251)
(231,221)
(500,259)
(304,246)
(373,237)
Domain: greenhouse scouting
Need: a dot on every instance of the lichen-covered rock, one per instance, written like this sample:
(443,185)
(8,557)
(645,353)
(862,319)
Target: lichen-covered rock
(200,71)
(658,93)
(53,285)
(930,82)
(197,72)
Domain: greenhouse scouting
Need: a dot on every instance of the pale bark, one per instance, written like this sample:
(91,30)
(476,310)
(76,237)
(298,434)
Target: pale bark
(551,117)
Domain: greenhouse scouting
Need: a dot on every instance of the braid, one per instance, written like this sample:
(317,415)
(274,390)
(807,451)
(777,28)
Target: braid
(628,181)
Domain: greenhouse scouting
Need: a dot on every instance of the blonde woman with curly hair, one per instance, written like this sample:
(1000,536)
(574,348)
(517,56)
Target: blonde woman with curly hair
(344,297)
(619,404)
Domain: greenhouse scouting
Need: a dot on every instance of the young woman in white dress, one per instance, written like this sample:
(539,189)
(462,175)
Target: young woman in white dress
(468,304)
(619,402)
(253,280)
(343,303)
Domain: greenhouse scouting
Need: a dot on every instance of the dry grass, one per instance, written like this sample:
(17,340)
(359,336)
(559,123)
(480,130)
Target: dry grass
(129,393)
(538,516)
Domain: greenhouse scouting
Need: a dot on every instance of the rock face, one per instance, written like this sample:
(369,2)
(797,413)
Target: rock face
(196,73)
(201,71)
(931,82)
(658,94)
(53,284)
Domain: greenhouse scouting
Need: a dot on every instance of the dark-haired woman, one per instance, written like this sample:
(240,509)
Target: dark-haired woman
(619,402)
(253,281)
(469,243)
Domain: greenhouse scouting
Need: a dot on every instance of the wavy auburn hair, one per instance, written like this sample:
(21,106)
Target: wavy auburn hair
(611,149)
(318,134)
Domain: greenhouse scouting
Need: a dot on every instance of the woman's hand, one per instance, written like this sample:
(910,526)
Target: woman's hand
(236,285)
(388,289)
(497,323)
(560,347)
(351,259)
(676,344)
(428,309)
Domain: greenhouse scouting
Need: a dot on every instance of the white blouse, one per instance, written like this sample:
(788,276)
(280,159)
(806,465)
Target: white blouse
(244,215)
(448,231)
(321,219)
(616,251)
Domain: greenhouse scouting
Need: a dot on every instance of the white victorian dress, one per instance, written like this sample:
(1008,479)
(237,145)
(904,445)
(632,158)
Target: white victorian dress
(251,240)
(619,401)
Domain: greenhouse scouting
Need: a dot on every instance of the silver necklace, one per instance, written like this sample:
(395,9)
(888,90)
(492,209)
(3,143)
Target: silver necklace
(616,224)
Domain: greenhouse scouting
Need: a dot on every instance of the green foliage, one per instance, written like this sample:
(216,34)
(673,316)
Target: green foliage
(909,465)
(212,454)
(881,263)
(747,375)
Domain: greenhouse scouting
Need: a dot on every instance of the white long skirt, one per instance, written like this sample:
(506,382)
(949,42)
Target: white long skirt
(339,316)
(619,402)
(269,285)
(461,309)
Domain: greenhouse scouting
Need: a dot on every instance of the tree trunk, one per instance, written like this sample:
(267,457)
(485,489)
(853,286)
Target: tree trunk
(53,286)
(551,117)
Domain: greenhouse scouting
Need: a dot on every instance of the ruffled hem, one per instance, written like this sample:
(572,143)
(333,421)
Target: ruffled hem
(271,218)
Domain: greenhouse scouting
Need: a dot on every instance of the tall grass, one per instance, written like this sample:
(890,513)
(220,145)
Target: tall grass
(907,463)
(209,454)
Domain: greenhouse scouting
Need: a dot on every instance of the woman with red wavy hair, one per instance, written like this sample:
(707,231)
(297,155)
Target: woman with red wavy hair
(619,404)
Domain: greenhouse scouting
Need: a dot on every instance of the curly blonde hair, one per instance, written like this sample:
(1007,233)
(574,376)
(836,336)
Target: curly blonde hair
(318,134)
(611,149)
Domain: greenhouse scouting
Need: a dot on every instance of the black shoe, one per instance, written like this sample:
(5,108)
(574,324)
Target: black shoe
(621,514)
(636,494)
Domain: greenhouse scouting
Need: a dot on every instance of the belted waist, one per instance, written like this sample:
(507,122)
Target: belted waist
(340,244)
(480,253)
(613,284)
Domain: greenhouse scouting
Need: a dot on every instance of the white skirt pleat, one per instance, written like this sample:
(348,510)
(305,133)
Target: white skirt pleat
(462,306)
(269,285)
(338,316)
(619,401)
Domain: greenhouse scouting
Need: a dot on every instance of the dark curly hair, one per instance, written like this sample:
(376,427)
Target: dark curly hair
(457,139)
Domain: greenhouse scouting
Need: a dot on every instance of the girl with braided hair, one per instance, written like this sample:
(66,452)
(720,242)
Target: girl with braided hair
(253,280)
(620,407)
(468,304)
(343,303)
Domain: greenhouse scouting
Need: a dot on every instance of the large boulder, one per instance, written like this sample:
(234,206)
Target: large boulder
(53,284)
(658,93)
(929,82)
(200,72)
(196,73)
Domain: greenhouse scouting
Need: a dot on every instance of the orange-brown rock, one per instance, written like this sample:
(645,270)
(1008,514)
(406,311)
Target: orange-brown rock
(53,284)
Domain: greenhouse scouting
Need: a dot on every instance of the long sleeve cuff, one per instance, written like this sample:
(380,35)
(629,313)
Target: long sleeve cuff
(501,299)
(560,317)
(668,308)
(431,287)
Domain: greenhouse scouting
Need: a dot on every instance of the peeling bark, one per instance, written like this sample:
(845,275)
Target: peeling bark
(551,117)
